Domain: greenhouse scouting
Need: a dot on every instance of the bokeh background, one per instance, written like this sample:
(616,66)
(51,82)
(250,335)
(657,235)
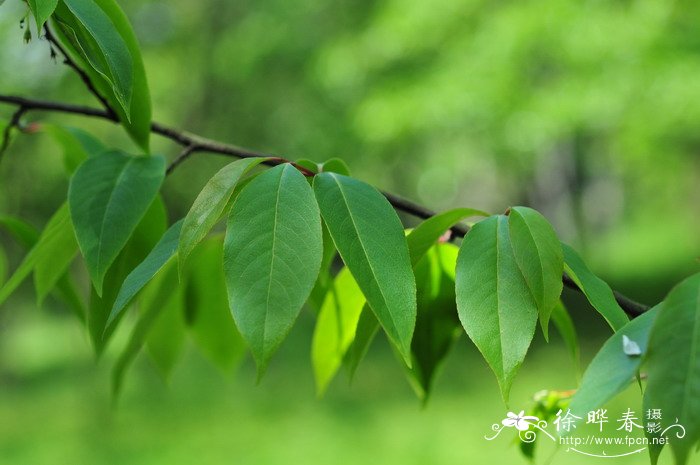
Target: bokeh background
(586,110)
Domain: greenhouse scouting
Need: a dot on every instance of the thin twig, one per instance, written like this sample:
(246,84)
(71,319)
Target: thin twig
(194,143)
(7,132)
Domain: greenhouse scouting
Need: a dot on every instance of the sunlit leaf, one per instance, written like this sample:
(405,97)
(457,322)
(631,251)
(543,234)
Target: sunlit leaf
(272,255)
(108,196)
(495,304)
(370,239)
(42,9)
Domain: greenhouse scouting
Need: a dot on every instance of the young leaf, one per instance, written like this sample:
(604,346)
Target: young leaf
(146,270)
(611,370)
(334,165)
(335,327)
(370,239)
(209,318)
(108,196)
(673,365)
(562,321)
(596,290)
(53,259)
(429,231)
(136,118)
(42,9)
(367,328)
(494,302)
(77,145)
(538,254)
(272,255)
(210,203)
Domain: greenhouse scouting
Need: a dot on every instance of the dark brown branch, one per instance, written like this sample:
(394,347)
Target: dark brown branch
(193,143)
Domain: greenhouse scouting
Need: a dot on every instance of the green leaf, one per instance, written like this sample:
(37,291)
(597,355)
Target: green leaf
(367,328)
(334,165)
(20,230)
(494,302)
(565,326)
(210,203)
(335,327)
(166,338)
(50,242)
(210,321)
(108,196)
(539,255)
(146,270)
(324,279)
(596,290)
(429,231)
(673,365)
(370,239)
(77,144)
(272,256)
(159,295)
(113,50)
(53,259)
(147,234)
(84,49)
(3,266)
(611,371)
(42,9)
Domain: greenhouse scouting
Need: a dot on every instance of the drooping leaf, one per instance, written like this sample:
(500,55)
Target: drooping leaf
(565,326)
(158,295)
(42,9)
(53,259)
(494,302)
(146,235)
(108,196)
(335,327)
(272,256)
(539,255)
(209,318)
(86,51)
(596,290)
(166,339)
(611,371)
(429,231)
(20,230)
(210,203)
(369,237)
(673,366)
(146,270)
(324,280)
(49,242)
(367,329)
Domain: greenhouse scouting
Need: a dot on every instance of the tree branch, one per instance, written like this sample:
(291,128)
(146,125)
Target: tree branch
(193,143)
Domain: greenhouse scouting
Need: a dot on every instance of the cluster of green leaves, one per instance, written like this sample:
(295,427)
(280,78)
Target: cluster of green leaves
(327,241)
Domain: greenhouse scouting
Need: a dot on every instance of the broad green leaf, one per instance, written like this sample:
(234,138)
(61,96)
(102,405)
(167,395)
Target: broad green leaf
(596,290)
(429,231)
(334,165)
(369,237)
(335,327)
(159,295)
(147,234)
(611,371)
(108,196)
(272,256)
(495,304)
(52,261)
(42,9)
(673,365)
(136,118)
(210,203)
(146,270)
(367,328)
(565,326)
(77,145)
(210,322)
(166,339)
(540,258)
(50,241)
(114,51)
